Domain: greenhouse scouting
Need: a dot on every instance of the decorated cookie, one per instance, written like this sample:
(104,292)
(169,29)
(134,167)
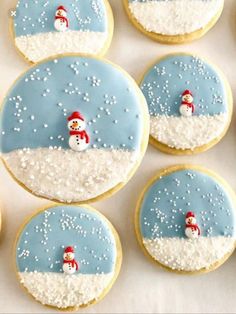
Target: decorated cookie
(73,129)
(190,104)
(68,256)
(174,21)
(42,29)
(186,219)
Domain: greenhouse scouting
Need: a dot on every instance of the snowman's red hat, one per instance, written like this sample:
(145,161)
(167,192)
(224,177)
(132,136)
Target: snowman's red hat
(69,249)
(76,115)
(190,214)
(187,92)
(61,7)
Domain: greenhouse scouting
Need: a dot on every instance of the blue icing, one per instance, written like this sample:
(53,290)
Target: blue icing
(36,109)
(37,16)
(164,84)
(41,244)
(167,201)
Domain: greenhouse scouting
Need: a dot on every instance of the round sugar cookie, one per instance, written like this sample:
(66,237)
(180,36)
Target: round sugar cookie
(42,29)
(190,104)
(185,219)
(174,21)
(73,129)
(68,257)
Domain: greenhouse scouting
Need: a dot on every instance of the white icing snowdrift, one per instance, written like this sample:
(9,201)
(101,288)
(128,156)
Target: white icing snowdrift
(189,255)
(187,132)
(70,176)
(175,17)
(43,45)
(63,291)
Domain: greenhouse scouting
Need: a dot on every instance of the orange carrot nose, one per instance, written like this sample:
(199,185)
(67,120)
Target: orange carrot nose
(75,124)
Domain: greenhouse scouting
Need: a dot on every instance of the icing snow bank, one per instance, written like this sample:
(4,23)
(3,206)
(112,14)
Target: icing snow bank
(44,45)
(175,17)
(70,176)
(188,254)
(187,132)
(63,290)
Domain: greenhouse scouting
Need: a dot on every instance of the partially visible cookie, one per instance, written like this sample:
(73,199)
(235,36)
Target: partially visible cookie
(74,129)
(190,103)
(174,21)
(68,257)
(42,29)
(186,219)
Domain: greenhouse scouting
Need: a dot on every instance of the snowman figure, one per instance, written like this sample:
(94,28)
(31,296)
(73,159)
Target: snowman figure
(187,107)
(70,266)
(192,231)
(61,23)
(79,139)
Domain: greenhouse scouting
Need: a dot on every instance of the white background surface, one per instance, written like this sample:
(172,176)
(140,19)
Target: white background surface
(141,286)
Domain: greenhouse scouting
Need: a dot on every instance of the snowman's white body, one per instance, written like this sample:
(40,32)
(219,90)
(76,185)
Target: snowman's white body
(191,233)
(77,144)
(60,25)
(68,268)
(185,111)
